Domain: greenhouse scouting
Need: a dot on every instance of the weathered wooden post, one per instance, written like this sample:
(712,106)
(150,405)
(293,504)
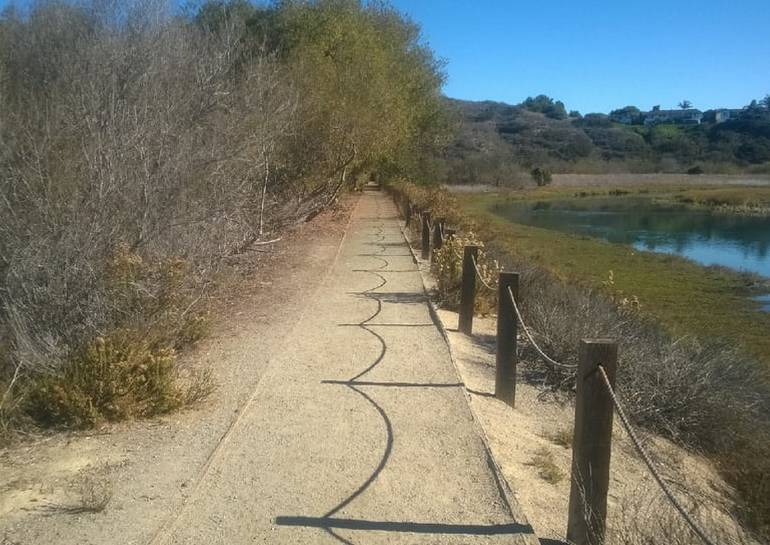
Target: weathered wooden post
(506,358)
(425,232)
(591,443)
(468,290)
(407,213)
(438,241)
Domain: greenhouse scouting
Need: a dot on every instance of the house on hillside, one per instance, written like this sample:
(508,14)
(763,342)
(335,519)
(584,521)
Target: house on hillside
(690,116)
(723,115)
(624,117)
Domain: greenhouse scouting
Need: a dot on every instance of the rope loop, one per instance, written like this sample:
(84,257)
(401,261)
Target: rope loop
(479,275)
(531,339)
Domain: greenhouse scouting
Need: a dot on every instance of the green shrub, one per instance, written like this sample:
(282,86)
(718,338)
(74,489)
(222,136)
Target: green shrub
(447,265)
(541,176)
(113,378)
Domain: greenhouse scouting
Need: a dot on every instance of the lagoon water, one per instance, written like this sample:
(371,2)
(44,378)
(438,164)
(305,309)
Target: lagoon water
(739,242)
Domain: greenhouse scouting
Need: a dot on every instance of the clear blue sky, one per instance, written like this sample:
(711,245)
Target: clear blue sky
(601,54)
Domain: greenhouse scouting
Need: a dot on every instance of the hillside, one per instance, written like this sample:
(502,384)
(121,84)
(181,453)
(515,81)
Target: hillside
(498,143)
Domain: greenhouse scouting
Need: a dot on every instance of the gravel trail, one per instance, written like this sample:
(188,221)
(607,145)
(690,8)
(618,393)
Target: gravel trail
(358,430)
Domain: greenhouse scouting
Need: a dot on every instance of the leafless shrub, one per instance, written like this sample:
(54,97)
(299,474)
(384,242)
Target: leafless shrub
(707,396)
(646,519)
(126,133)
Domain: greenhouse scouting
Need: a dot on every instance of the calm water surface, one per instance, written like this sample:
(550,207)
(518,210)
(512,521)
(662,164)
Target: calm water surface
(738,242)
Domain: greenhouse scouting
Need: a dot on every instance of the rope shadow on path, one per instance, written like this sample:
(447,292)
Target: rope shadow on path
(327,522)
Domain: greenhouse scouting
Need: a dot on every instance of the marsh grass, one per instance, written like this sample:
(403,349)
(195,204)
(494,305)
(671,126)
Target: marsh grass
(735,200)
(678,293)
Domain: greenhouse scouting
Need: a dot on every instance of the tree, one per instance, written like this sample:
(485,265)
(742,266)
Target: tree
(369,89)
(541,176)
(685,105)
(544,104)
(766,102)
(629,114)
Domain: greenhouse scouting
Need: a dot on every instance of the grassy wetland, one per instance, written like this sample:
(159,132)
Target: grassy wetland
(687,298)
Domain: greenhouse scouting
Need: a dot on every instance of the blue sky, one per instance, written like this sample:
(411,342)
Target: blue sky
(599,55)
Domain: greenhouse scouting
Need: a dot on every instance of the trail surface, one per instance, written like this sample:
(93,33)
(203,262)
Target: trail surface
(358,430)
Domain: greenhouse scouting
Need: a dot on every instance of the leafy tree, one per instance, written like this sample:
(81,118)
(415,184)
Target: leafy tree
(685,105)
(217,15)
(369,89)
(594,120)
(632,113)
(546,105)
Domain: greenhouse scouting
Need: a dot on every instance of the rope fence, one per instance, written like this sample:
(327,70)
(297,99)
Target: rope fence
(648,461)
(481,276)
(532,341)
(596,398)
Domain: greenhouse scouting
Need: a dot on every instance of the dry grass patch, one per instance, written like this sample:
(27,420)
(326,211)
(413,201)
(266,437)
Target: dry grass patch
(546,467)
(561,437)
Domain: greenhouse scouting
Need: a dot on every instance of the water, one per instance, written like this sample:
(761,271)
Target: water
(735,241)
(764,302)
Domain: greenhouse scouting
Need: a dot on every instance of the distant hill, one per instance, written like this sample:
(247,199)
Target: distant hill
(498,143)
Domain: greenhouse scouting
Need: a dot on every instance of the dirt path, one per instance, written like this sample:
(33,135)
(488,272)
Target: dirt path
(356,429)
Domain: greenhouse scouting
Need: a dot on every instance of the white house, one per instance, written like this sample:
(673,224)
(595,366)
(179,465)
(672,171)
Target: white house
(725,115)
(690,116)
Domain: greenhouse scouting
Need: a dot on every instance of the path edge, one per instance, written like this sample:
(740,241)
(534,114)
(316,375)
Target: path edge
(503,486)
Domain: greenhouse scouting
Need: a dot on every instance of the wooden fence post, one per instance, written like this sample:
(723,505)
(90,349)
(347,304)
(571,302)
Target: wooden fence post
(506,358)
(425,232)
(468,290)
(438,241)
(591,443)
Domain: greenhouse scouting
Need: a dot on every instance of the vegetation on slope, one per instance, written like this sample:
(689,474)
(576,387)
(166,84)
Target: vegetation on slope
(141,147)
(682,380)
(499,144)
